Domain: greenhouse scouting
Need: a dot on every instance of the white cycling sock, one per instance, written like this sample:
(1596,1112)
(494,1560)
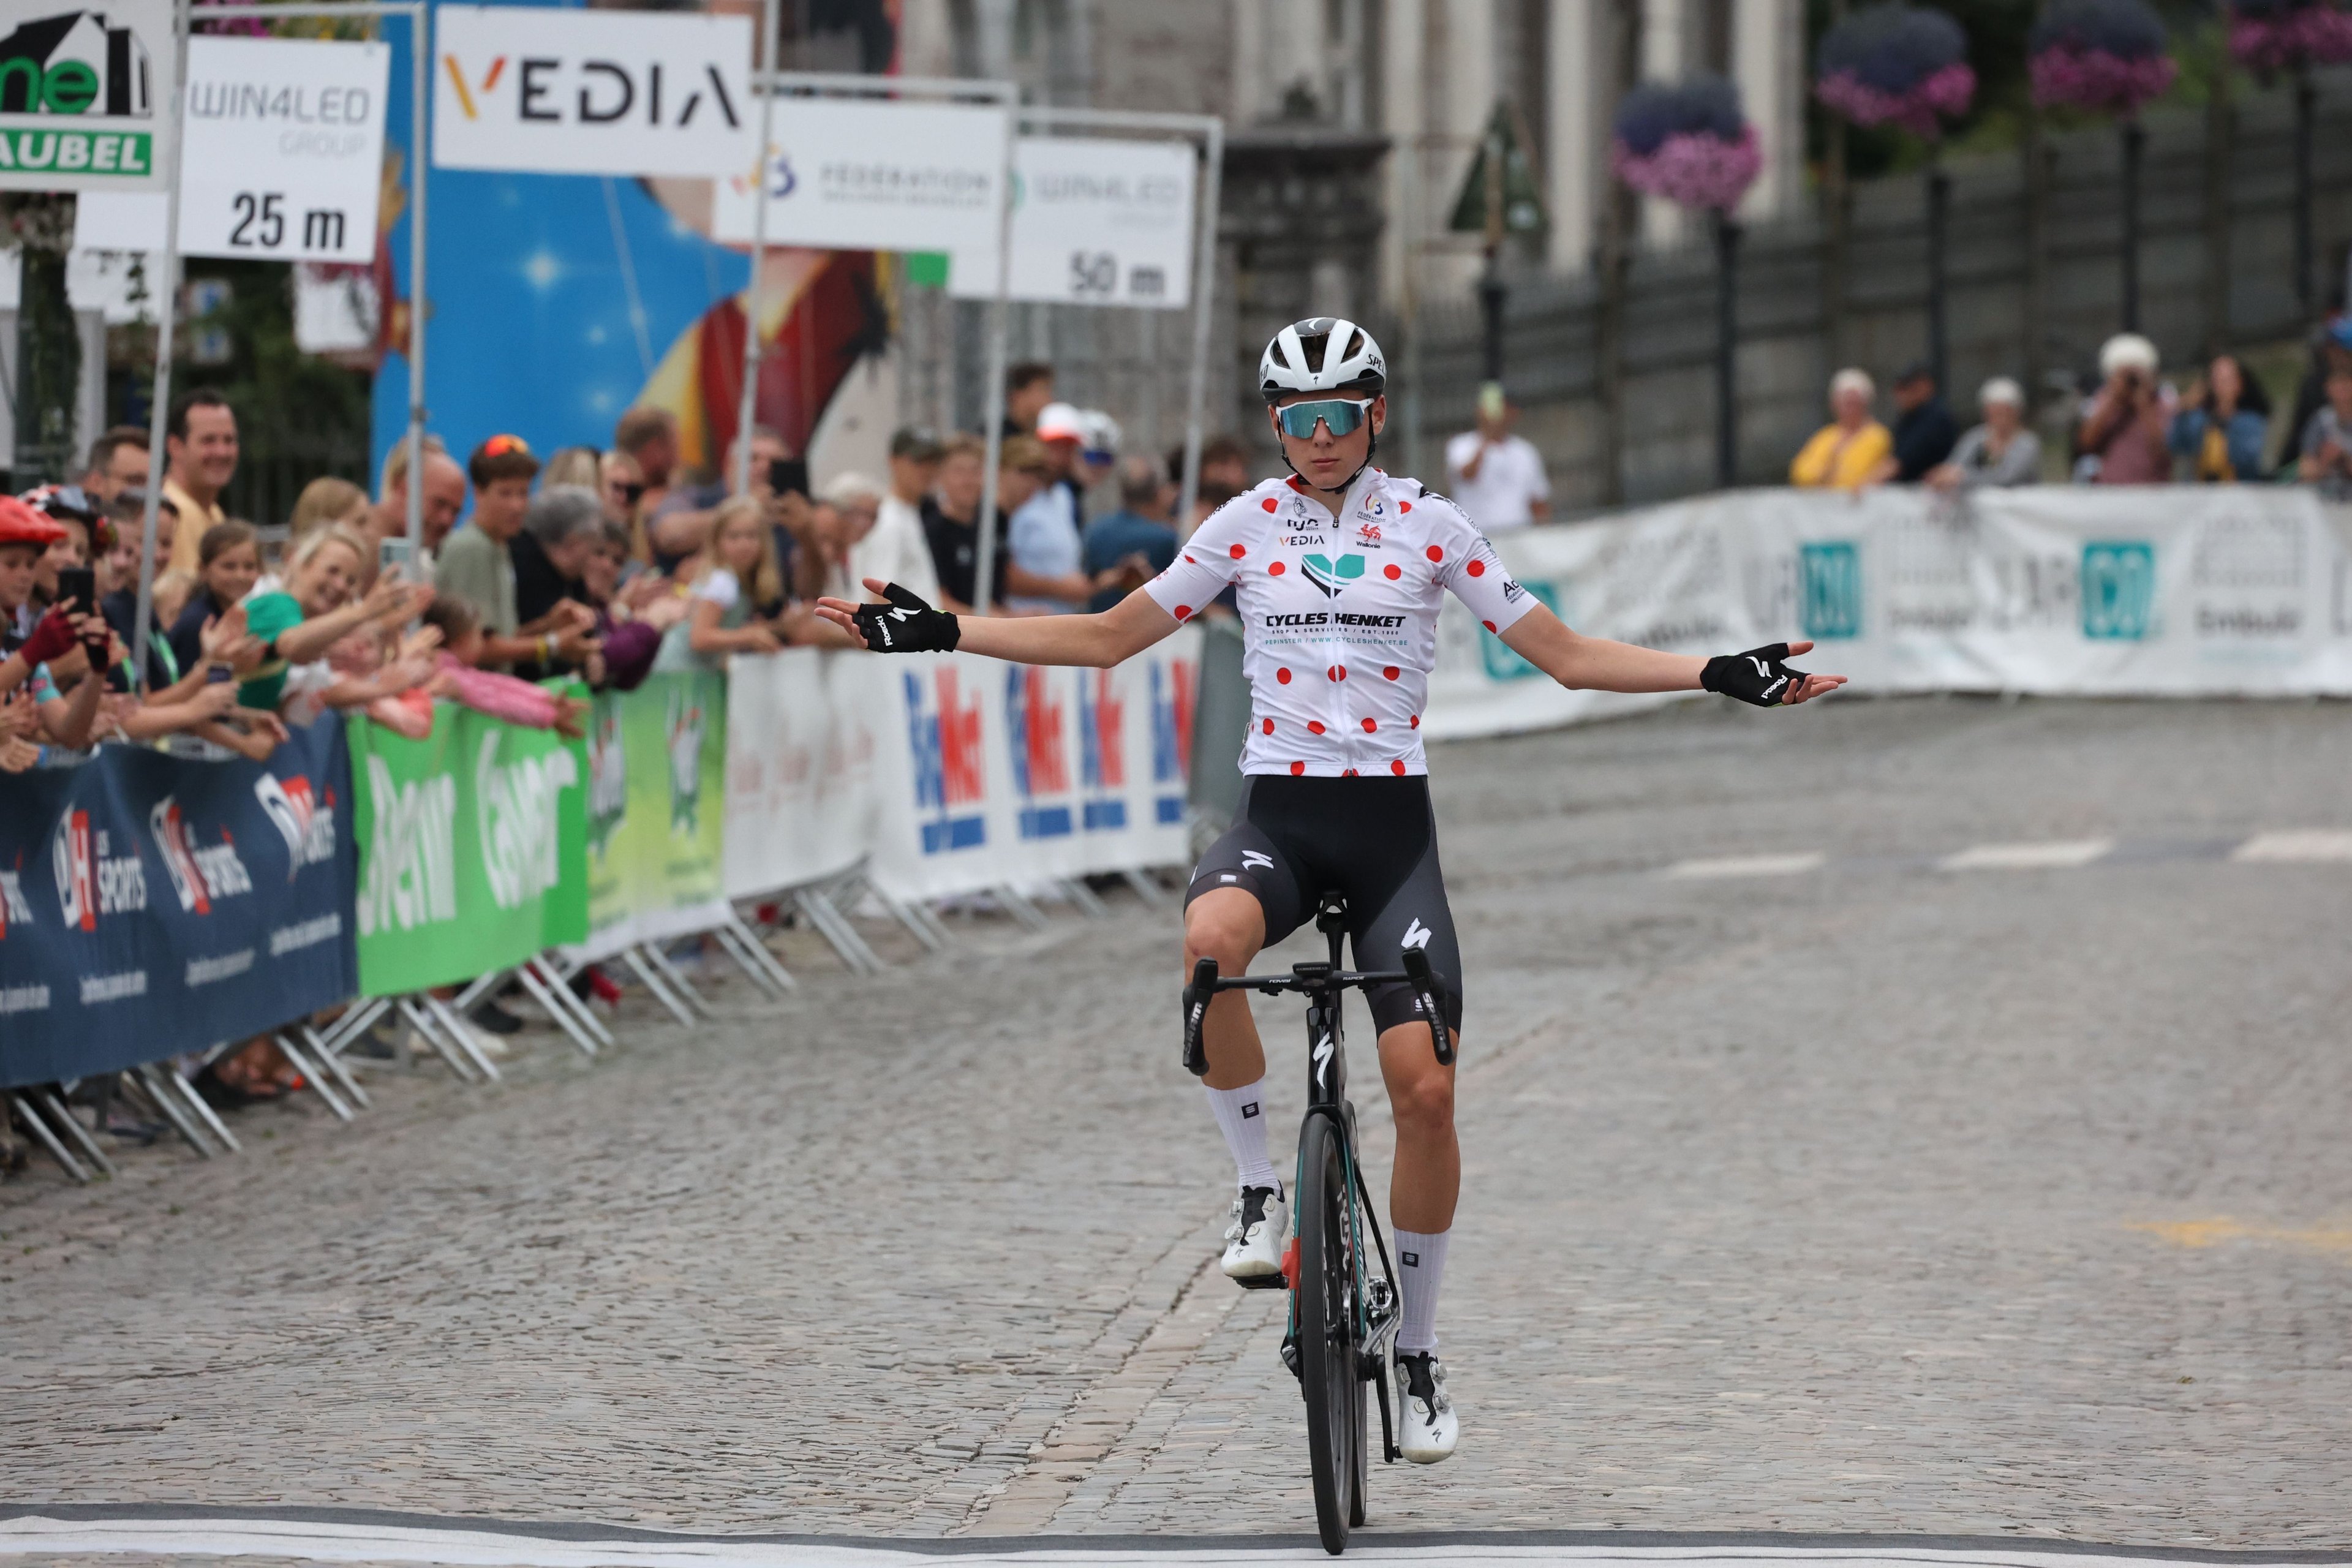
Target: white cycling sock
(1420,1269)
(1241,1117)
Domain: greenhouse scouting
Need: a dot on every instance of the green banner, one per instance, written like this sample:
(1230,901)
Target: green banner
(656,814)
(472,848)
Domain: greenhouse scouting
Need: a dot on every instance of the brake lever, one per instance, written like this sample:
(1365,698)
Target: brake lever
(1197,996)
(1425,985)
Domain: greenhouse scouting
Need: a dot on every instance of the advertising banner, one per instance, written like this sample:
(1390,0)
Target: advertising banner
(473,848)
(152,904)
(657,813)
(849,174)
(558,90)
(2191,591)
(800,767)
(990,774)
(284,159)
(1096,221)
(85,95)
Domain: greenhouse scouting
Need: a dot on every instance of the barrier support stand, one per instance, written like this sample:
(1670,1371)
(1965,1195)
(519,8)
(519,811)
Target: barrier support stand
(49,1140)
(205,1112)
(1146,889)
(732,944)
(855,957)
(677,1009)
(430,1032)
(758,951)
(317,1046)
(678,982)
(536,987)
(1089,902)
(56,1111)
(463,1034)
(924,925)
(168,1108)
(312,1076)
(559,986)
(1017,904)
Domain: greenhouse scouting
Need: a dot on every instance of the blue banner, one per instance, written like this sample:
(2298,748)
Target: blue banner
(152,904)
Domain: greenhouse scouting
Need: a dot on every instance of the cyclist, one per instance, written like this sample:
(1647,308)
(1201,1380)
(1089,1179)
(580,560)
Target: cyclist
(1339,570)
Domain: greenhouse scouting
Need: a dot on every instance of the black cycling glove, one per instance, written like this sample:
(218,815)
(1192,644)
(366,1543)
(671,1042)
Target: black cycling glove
(1758,675)
(906,624)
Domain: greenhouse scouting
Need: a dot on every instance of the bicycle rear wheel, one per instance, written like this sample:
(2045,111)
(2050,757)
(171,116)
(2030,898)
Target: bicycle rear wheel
(1324,1302)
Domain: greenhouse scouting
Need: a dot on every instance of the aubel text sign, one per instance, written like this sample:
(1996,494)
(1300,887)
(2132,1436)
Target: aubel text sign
(85,95)
(591,92)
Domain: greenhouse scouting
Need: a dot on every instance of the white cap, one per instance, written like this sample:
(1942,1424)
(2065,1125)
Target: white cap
(2001,389)
(2128,350)
(1102,433)
(1061,422)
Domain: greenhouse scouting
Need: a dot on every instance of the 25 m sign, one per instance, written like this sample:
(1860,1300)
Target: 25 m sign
(591,92)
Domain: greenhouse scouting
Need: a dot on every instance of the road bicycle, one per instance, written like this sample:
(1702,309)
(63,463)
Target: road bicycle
(1343,1317)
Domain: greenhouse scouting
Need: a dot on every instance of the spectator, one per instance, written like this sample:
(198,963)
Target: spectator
(1847,451)
(1224,462)
(228,564)
(650,436)
(1137,536)
(631,615)
(891,546)
(622,487)
(950,526)
(320,605)
(328,499)
(200,456)
(1098,451)
(680,522)
(2122,438)
(513,701)
(915,458)
(560,528)
(581,466)
(478,566)
(737,576)
(445,499)
(2000,452)
(1028,388)
(2222,430)
(1497,478)
(118,585)
(2326,443)
(1062,431)
(118,462)
(1925,434)
(1044,538)
(2331,345)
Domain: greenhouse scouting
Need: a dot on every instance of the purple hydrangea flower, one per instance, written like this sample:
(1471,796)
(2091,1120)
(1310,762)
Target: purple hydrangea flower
(2269,37)
(1687,142)
(2105,55)
(1898,65)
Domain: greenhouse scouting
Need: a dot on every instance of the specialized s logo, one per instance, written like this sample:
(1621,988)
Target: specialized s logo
(1329,574)
(1322,1059)
(1416,935)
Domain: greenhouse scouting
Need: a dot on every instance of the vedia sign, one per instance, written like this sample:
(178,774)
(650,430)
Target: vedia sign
(84,95)
(591,92)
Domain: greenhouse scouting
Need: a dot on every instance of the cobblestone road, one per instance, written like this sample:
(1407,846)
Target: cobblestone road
(1877,1191)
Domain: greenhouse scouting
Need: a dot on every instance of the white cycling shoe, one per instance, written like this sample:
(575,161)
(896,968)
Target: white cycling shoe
(1253,1241)
(1430,1429)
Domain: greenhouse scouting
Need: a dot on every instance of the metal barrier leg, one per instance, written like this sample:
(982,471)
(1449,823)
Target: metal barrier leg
(758,951)
(430,1029)
(464,1035)
(49,1140)
(1021,909)
(481,985)
(205,1113)
(539,991)
(337,1038)
(733,946)
(917,921)
(858,958)
(678,983)
(646,973)
(1089,902)
(168,1108)
(558,985)
(312,1076)
(317,1046)
(1146,889)
(76,1131)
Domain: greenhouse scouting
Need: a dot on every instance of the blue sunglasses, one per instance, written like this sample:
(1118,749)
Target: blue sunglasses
(1341,414)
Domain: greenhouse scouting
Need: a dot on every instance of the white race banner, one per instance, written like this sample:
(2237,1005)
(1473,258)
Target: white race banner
(561,91)
(800,767)
(1096,221)
(849,174)
(285,156)
(2182,591)
(85,95)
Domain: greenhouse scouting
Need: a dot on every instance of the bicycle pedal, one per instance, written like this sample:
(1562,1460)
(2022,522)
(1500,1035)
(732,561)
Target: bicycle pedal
(1263,1282)
(1290,1355)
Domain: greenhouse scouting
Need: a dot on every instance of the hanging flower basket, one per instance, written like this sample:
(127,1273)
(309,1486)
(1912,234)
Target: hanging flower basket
(1897,65)
(2271,37)
(1688,143)
(2105,57)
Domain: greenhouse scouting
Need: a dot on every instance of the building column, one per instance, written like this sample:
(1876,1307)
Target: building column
(1576,157)
(1666,48)
(1768,62)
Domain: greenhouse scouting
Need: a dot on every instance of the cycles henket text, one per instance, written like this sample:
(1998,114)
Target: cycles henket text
(1334,619)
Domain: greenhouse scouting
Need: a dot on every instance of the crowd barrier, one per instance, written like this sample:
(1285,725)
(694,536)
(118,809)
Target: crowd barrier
(2182,591)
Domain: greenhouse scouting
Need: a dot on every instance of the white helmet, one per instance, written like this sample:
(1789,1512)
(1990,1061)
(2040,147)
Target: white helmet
(1322,353)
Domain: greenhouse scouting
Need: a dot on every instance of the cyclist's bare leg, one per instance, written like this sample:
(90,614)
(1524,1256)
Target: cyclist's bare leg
(1228,925)
(1428,1172)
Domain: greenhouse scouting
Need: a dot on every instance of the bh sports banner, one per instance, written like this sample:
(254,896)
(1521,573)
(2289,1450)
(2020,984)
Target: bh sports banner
(991,773)
(2182,591)
(657,812)
(152,904)
(472,848)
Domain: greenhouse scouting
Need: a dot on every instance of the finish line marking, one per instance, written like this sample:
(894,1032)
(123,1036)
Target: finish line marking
(32,1534)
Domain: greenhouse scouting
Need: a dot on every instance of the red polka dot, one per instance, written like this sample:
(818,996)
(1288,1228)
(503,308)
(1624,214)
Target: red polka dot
(1405,506)
(1371,726)
(1475,568)
(1237,552)
(1436,554)
(1337,672)
(1268,725)
(1189,561)
(1349,774)
(1282,676)
(1394,572)
(1397,768)
(1313,727)
(1416,721)
(1391,673)
(1183,611)
(1296,768)
(1275,570)
(1270,503)
(1488,625)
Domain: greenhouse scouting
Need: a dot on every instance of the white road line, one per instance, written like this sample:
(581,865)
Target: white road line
(2310,844)
(1748,866)
(34,1535)
(2055,855)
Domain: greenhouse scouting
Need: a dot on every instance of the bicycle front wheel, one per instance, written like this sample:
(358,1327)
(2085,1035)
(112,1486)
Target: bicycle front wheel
(1324,1302)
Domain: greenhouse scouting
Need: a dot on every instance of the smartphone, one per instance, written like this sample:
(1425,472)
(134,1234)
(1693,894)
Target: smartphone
(78,586)
(788,476)
(218,675)
(392,557)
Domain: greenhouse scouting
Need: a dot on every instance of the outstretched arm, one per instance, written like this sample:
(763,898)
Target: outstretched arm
(1127,628)
(1595,664)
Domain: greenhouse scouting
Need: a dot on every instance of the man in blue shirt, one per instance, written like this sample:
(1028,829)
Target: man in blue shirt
(1139,528)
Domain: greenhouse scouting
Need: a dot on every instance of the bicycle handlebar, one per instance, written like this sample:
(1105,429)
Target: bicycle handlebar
(1306,978)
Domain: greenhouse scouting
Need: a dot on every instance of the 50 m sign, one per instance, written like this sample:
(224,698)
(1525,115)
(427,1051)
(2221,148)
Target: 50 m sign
(83,93)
